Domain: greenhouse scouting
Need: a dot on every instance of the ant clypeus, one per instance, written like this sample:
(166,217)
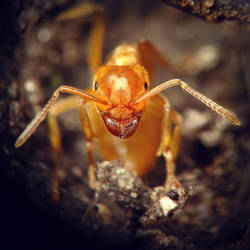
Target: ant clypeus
(120,113)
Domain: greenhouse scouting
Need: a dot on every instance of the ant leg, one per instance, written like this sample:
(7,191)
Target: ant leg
(87,131)
(59,107)
(95,42)
(150,56)
(175,142)
(171,154)
(96,36)
(169,146)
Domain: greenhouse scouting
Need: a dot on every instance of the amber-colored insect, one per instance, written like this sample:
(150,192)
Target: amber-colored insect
(120,114)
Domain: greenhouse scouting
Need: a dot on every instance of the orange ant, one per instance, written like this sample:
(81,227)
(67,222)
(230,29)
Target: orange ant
(120,114)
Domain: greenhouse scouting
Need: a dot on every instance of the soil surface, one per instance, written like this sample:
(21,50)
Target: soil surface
(40,53)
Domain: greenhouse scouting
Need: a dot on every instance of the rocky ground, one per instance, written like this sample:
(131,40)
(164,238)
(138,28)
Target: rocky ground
(39,54)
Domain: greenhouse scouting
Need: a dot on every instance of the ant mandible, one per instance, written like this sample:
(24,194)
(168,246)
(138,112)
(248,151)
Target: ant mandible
(120,113)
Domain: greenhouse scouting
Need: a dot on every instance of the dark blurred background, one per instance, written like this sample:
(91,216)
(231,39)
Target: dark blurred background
(38,54)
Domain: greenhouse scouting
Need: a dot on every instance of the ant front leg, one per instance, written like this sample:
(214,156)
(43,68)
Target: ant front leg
(87,131)
(170,144)
(58,108)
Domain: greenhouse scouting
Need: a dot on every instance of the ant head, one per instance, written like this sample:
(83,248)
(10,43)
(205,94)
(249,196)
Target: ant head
(121,87)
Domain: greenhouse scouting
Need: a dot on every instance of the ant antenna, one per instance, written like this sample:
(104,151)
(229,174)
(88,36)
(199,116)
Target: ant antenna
(208,102)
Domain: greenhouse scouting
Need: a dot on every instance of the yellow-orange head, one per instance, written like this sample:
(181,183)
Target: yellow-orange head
(120,87)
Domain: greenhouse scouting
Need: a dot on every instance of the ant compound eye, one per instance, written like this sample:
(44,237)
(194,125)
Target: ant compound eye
(146,86)
(96,86)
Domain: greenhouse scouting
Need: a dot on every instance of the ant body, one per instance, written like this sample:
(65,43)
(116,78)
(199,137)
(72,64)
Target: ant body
(120,114)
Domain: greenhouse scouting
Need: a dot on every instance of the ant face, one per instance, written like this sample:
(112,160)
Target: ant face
(120,87)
